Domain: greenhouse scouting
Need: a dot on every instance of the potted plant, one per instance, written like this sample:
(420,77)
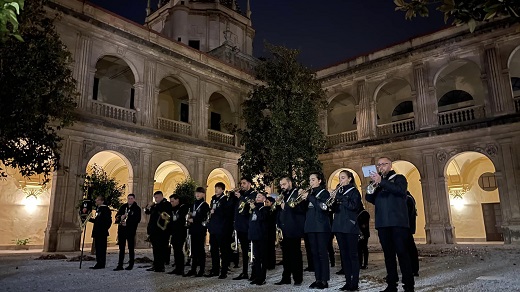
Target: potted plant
(21,243)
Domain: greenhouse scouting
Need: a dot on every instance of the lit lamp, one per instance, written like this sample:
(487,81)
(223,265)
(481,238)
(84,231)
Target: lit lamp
(457,195)
(32,191)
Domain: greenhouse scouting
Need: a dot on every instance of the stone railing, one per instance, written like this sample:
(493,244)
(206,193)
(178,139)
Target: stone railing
(113,112)
(402,126)
(220,137)
(517,104)
(341,138)
(461,115)
(174,126)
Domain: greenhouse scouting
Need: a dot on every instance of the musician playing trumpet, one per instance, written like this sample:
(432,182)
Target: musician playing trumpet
(346,206)
(179,232)
(291,221)
(128,217)
(198,214)
(257,234)
(158,230)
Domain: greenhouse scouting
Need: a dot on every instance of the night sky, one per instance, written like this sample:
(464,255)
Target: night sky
(326,31)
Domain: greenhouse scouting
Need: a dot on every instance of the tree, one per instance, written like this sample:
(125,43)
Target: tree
(469,12)
(38,94)
(9,9)
(186,190)
(282,136)
(96,182)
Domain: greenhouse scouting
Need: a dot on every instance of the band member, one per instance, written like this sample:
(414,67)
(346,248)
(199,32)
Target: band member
(178,232)
(257,233)
(128,217)
(291,221)
(391,222)
(346,208)
(364,235)
(412,219)
(271,234)
(330,246)
(242,205)
(102,223)
(160,215)
(317,226)
(220,228)
(197,215)
(308,254)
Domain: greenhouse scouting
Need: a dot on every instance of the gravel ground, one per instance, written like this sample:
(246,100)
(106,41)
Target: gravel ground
(443,268)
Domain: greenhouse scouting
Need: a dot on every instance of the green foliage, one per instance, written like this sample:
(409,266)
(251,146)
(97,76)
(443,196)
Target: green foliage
(101,184)
(21,241)
(282,136)
(37,96)
(9,9)
(186,190)
(469,12)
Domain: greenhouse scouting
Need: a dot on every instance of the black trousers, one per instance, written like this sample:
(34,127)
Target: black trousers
(363,251)
(349,258)
(271,250)
(394,240)
(308,252)
(330,250)
(177,243)
(124,236)
(160,249)
(244,246)
(414,254)
(319,242)
(101,250)
(220,253)
(260,259)
(198,251)
(292,260)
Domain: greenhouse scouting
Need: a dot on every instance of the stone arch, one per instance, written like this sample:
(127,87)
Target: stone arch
(173,99)
(341,113)
(167,175)
(388,95)
(333,180)
(227,96)
(220,110)
(413,176)
(180,78)
(113,83)
(336,94)
(130,64)
(469,201)
(513,64)
(216,175)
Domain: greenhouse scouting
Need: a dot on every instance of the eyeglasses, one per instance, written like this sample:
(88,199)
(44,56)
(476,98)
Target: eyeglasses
(382,164)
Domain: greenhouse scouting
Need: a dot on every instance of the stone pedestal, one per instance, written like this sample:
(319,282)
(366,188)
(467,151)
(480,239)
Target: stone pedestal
(439,234)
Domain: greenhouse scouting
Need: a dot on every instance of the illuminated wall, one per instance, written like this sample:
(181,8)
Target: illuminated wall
(167,176)
(466,213)
(218,175)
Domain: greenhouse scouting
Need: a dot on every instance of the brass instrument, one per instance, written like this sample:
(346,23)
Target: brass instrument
(243,205)
(166,217)
(206,222)
(252,257)
(279,200)
(235,245)
(332,199)
(123,222)
(188,217)
(279,236)
(371,188)
(298,199)
(187,247)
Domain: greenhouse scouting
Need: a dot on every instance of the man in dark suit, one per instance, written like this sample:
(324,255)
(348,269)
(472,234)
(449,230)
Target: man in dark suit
(257,234)
(392,224)
(158,230)
(291,221)
(128,217)
(179,232)
(412,218)
(102,223)
(220,228)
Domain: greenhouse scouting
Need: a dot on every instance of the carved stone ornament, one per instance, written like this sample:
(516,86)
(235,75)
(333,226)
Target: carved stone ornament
(91,148)
(491,150)
(121,50)
(442,155)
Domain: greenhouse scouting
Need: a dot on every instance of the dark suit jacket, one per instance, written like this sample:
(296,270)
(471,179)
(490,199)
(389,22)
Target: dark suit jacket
(221,221)
(134,218)
(317,219)
(292,220)
(102,221)
(346,209)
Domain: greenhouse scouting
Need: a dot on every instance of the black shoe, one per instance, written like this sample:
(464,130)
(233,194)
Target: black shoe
(252,278)
(253,282)
(211,274)
(242,276)
(299,283)
(190,273)
(118,268)
(97,267)
(364,267)
(260,282)
(390,289)
(178,272)
(159,270)
(314,285)
(283,282)
(345,287)
(416,274)
(222,276)
(340,272)
(309,269)
(200,273)
(130,267)
(322,285)
(150,269)
(353,288)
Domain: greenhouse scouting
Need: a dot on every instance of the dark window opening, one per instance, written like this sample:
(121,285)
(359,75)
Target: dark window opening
(194,44)
(515,83)
(215,121)
(403,108)
(96,88)
(185,112)
(132,96)
(454,97)
(179,39)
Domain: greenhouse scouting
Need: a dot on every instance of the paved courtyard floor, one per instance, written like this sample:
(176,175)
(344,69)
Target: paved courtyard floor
(443,268)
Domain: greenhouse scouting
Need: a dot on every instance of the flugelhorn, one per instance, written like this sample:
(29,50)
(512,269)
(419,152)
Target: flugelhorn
(166,217)
(371,188)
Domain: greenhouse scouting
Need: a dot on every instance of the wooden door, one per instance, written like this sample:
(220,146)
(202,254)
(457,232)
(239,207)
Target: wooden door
(492,221)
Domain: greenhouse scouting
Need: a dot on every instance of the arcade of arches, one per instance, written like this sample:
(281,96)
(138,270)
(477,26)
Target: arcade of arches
(114,82)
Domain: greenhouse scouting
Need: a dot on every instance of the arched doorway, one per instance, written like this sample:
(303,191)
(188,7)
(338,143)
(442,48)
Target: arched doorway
(414,187)
(215,176)
(219,112)
(168,175)
(114,82)
(333,180)
(514,75)
(341,116)
(24,208)
(474,198)
(117,166)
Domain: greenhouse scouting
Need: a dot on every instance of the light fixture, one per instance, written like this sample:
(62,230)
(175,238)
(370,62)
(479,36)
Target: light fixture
(32,191)
(457,193)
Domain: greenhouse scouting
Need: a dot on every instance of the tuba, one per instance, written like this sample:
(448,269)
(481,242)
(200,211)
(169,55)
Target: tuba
(166,217)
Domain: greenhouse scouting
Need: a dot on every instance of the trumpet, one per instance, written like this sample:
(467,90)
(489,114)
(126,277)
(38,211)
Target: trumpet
(235,245)
(371,188)
(232,192)
(148,206)
(279,200)
(332,199)
(206,222)
(298,199)
(243,205)
(166,217)
(279,236)
(188,217)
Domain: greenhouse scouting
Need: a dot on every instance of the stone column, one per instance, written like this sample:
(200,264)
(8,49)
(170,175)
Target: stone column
(500,97)
(425,109)
(364,109)
(149,97)
(143,184)
(82,70)
(322,119)
(194,117)
(437,212)
(63,232)
(508,181)
(139,102)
